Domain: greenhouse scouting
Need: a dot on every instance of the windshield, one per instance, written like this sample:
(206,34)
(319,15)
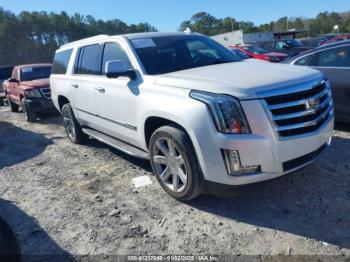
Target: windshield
(239,53)
(255,50)
(32,73)
(165,54)
(294,43)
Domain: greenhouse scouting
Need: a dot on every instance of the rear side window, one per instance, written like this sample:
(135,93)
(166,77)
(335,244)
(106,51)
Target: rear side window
(89,60)
(113,51)
(60,62)
(336,57)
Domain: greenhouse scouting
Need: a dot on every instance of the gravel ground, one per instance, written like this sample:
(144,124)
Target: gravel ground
(66,199)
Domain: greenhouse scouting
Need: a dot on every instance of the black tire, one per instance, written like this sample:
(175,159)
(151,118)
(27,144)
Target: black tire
(2,101)
(29,115)
(13,106)
(72,126)
(184,148)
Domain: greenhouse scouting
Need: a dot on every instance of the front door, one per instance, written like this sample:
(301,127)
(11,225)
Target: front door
(335,63)
(116,98)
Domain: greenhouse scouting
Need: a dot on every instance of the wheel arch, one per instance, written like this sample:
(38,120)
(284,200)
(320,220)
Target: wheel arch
(61,101)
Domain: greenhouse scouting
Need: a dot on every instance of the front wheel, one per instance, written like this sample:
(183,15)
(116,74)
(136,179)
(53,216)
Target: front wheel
(29,115)
(72,126)
(13,106)
(174,163)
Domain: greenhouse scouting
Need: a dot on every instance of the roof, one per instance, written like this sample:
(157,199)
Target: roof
(152,34)
(33,65)
(129,36)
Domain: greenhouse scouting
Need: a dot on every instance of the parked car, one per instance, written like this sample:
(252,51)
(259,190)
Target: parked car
(313,42)
(334,61)
(29,89)
(5,73)
(338,38)
(259,53)
(291,47)
(207,121)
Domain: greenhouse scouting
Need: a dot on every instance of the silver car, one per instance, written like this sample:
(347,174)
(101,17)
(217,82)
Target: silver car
(334,61)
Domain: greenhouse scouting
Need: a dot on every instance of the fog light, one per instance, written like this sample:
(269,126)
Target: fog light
(233,164)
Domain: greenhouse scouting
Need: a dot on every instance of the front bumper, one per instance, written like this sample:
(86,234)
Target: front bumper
(40,105)
(262,147)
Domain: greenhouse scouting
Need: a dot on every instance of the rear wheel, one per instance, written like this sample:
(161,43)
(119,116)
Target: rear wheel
(174,163)
(72,126)
(29,115)
(13,106)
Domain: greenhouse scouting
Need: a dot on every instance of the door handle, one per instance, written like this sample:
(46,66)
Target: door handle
(75,85)
(100,89)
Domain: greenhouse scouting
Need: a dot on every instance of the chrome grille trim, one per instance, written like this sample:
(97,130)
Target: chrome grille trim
(305,112)
(46,92)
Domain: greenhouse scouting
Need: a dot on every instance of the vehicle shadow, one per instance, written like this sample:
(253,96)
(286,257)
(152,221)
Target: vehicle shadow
(17,144)
(141,163)
(314,204)
(29,241)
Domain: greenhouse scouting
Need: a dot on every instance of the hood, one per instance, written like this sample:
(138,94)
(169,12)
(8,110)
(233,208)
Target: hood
(240,79)
(276,54)
(37,83)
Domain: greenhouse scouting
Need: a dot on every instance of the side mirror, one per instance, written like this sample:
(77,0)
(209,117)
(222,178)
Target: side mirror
(13,80)
(117,68)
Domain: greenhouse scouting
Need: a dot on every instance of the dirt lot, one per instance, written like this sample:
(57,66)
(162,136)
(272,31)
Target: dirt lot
(66,199)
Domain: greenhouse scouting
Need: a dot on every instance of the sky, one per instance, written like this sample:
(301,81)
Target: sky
(167,15)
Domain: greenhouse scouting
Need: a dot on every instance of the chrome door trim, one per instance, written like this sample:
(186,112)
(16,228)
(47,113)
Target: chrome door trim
(123,124)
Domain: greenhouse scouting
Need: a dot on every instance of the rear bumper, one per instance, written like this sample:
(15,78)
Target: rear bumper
(40,105)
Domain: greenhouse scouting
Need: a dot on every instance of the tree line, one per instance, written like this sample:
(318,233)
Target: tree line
(323,23)
(32,37)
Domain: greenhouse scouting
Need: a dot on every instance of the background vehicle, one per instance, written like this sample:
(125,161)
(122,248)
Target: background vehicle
(313,42)
(259,53)
(334,61)
(29,89)
(202,117)
(5,73)
(291,47)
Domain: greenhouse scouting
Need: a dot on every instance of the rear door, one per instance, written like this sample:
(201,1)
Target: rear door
(86,72)
(335,63)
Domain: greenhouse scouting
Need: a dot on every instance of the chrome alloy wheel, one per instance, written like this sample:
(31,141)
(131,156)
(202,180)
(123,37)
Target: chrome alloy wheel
(68,123)
(169,165)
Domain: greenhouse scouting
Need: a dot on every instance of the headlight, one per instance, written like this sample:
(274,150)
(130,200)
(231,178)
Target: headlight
(226,111)
(33,93)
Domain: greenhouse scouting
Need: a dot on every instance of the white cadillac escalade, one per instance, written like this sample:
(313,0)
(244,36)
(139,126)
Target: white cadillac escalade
(204,119)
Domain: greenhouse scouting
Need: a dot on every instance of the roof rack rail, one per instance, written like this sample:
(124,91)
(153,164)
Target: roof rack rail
(96,37)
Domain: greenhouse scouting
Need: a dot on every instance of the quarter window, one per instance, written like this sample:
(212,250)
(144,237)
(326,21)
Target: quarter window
(114,51)
(304,61)
(89,60)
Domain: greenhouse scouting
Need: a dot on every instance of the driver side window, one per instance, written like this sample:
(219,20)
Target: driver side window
(113,51)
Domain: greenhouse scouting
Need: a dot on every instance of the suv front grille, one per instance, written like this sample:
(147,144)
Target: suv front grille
(300,111)
(46,92)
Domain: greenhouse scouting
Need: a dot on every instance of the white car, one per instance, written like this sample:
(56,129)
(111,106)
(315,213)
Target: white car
(207,121)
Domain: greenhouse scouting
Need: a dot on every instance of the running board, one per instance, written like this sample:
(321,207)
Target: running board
(117,144)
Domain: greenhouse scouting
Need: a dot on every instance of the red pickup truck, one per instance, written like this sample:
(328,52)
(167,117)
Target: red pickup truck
(29,88)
